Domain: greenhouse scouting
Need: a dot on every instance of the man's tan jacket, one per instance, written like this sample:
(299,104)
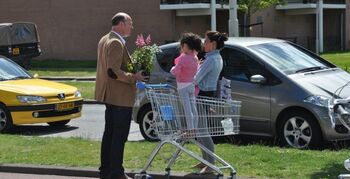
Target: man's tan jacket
(114,84)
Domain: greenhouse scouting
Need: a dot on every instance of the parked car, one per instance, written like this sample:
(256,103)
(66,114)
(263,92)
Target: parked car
(27,100)
(284,90)
(20,42)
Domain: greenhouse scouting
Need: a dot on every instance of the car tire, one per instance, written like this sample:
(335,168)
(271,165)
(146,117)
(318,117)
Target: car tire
(147,123)
(59,123)
(299,129)
(5,119)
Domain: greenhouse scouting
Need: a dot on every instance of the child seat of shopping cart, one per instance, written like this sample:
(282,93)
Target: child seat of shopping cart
(216,117)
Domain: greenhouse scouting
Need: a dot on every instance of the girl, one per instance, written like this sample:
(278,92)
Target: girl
(184,70)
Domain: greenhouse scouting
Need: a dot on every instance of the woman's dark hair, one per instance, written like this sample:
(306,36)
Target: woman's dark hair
(218,37)
(192,40)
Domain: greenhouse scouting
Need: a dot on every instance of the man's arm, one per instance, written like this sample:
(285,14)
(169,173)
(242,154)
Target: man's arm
(114,61)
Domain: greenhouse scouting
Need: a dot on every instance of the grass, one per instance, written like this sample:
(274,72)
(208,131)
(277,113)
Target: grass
(87,89)
(64,72)
(249,160)
(341,59)
(81,68)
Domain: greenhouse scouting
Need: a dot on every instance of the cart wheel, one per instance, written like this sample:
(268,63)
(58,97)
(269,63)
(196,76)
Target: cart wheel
(143,175)
(167,175)
(220,176)
(232,175)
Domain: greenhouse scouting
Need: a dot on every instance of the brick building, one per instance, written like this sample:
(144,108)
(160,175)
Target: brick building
(71,29)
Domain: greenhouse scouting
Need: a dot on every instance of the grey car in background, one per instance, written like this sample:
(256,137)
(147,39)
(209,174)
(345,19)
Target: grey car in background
(284,89)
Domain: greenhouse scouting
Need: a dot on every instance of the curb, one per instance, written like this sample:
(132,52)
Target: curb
(86,172)
(68,78)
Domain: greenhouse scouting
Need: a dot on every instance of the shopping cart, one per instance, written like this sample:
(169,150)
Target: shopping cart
(216,117)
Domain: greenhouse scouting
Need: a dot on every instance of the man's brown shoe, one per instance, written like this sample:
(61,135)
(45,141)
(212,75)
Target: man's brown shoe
(199,165)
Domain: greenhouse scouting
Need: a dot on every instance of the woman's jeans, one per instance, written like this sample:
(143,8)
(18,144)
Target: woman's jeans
(206,141)
(188,100)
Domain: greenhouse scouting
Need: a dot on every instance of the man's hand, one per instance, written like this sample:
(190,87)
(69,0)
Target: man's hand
(139,77)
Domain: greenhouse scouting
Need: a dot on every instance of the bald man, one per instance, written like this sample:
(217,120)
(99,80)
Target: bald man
(115,87)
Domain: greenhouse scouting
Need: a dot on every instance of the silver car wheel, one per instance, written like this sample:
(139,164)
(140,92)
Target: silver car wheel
(148,125)
(297,132)
(3,119)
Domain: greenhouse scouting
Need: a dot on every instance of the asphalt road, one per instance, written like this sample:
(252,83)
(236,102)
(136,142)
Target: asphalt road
(89,126)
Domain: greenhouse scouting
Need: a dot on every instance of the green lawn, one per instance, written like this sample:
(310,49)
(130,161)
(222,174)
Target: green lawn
(249,160)
(56,68)
(342,59)
(64,72)
(87,89)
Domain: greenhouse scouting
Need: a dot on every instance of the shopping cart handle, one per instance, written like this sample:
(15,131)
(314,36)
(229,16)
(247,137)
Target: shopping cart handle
(142,86)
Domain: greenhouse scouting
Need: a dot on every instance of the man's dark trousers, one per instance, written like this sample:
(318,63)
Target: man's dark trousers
(117,127)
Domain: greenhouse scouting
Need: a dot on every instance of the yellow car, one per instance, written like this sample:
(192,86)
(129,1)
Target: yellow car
(27,100)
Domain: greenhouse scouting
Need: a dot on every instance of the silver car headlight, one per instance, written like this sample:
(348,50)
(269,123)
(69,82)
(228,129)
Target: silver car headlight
(318,100)
(77,94)
(31,99)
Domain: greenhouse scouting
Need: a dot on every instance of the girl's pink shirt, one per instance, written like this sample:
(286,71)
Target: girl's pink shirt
(185,68)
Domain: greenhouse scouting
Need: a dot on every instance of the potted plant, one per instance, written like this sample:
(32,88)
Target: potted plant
(142,57)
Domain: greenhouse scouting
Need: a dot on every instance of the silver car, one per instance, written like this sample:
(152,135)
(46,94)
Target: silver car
(284,90)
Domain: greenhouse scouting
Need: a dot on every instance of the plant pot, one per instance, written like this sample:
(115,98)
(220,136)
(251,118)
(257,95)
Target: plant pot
(146,73)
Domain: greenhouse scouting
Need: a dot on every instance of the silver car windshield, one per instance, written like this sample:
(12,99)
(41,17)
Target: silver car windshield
(289,58)
(11,71)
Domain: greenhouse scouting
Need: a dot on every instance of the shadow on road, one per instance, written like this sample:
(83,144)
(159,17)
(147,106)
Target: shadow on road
(38,130)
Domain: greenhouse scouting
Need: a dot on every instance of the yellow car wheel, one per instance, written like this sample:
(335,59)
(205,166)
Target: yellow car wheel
(58,123)
(5,119)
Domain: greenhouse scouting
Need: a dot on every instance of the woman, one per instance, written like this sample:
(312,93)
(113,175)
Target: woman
(207,78)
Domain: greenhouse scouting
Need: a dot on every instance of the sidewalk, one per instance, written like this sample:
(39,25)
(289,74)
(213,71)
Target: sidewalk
(52,172)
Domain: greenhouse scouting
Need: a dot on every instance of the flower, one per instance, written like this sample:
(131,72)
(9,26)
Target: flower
(142,57)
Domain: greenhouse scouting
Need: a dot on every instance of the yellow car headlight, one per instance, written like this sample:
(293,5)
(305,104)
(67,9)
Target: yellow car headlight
(31,99)
(77,94)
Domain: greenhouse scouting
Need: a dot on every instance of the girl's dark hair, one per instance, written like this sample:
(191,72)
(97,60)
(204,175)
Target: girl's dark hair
(218,37)
(192,40)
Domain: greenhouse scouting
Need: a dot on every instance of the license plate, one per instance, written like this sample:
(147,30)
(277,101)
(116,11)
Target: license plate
(64,106)
(15,51)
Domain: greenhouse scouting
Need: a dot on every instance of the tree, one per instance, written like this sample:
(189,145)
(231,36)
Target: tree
(249,7)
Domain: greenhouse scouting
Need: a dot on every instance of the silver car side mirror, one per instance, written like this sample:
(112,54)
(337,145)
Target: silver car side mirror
(258,79)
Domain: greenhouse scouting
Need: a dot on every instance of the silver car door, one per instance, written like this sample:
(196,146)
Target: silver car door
(255,98)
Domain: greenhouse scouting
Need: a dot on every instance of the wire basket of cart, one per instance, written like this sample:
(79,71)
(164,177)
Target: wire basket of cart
(213,117)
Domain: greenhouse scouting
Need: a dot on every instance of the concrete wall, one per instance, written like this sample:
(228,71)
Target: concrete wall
(297,28)
(71,29)
(302,28)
